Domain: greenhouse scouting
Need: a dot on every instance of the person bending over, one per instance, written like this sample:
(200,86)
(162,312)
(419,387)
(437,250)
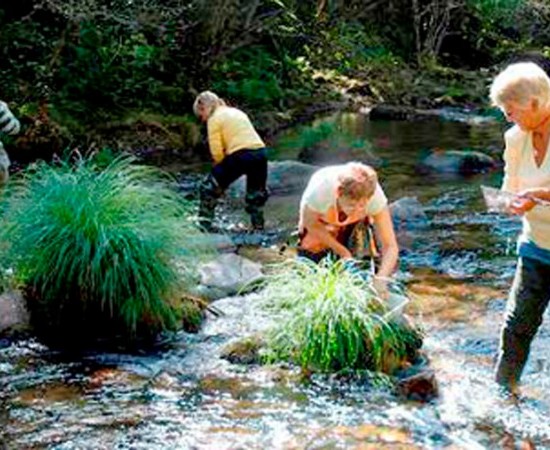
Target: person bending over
(522,92)
(338,198)
(236,150)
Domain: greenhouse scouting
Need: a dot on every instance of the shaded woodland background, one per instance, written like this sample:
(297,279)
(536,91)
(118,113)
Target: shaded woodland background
(123,73)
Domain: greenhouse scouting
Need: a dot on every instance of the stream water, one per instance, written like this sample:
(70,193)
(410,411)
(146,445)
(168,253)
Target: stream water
(458,268)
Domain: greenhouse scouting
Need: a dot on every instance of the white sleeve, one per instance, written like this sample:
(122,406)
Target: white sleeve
(377,202)
(319,194)
(514,141)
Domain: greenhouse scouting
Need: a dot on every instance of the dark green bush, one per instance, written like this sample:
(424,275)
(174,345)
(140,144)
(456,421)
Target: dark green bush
(101,253)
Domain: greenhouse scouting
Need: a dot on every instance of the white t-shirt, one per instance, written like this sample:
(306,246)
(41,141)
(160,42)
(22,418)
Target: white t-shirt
(521,172)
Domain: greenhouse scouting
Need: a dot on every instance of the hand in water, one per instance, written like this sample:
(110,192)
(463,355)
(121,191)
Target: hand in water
(381,287)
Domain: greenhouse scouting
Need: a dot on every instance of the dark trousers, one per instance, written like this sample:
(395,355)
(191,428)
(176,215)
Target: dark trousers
(253,164)
(357,237)
(528,300)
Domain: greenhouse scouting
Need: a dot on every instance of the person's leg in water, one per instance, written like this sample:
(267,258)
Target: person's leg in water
(256,191)
(528,300)
(214,185)
(209,193)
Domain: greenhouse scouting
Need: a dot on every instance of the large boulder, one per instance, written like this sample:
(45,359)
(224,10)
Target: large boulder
(14,315)
(226,275)
(284,177)
(457,162)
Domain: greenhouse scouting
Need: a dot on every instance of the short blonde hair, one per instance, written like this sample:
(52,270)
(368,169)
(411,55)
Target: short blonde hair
(521,83)
(357,182)
(207,100)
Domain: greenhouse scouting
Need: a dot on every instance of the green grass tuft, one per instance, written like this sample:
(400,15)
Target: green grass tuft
(332,320)
(100,251)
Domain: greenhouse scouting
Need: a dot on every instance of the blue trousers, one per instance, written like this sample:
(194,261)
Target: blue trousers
(527,302)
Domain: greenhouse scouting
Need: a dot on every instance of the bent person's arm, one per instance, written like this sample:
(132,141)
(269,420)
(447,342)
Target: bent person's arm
(312,222)
(215,140)
(385,233)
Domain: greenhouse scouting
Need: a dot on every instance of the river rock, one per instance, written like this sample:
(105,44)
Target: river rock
(410,114)
(461,162)
(410,222)
(229,274)
(284,177)
(14,315)
(408,212)
(244,351)
(421,386)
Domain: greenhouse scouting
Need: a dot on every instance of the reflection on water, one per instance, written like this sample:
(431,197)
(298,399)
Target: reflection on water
(458,269)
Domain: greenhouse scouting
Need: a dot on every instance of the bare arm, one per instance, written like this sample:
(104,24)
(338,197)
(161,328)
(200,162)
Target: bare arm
(526,200)
(312,221)
(390,250)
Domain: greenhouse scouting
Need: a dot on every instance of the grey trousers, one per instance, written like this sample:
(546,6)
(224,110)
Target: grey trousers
(527,302)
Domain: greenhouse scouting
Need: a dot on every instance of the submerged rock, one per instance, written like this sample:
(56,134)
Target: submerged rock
(408,212)
(410,222)
(14,315)
(244,351)
(421,386)
(410,114)
(457,162)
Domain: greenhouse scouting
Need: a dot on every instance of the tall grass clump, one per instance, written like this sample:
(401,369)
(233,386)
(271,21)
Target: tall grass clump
(332,320)
(100,252)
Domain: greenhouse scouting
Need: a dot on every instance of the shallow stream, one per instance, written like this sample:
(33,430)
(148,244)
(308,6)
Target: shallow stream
(458,269)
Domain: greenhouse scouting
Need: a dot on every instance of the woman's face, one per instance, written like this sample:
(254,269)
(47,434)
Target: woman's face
(350,206)
(203,113)
(523,116)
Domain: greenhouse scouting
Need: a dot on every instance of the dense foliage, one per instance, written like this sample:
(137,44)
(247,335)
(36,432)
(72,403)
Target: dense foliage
(100,253)
(333,320)
(89,70)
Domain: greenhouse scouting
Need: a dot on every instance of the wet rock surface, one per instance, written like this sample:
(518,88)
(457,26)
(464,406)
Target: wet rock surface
(406,113)
(229,273)
(284,177)
(457,162)
(14,315)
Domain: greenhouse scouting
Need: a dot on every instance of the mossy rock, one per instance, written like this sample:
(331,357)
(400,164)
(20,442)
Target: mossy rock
(244,351)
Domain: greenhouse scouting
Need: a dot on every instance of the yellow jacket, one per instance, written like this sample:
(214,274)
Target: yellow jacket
(229,130)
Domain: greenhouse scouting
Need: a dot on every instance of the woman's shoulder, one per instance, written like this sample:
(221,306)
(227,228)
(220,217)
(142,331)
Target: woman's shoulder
(514,135)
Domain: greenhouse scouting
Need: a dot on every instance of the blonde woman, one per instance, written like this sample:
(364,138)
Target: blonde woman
(522,92)
(338,198)
(236,150)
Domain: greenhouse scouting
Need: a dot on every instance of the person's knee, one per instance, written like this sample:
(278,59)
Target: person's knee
(256,199)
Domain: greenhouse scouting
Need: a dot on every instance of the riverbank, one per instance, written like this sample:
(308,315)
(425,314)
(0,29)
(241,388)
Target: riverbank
(162,139)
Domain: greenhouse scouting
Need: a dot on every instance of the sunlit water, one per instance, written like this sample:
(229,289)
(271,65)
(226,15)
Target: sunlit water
(458,270)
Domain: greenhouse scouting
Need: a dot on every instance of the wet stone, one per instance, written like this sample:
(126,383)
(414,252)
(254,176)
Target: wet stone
(244,351)
(421,386)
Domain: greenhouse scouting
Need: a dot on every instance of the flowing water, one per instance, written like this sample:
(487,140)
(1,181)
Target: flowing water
(457,265)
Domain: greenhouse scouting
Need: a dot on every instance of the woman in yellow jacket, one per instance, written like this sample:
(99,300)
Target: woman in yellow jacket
(236,150)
